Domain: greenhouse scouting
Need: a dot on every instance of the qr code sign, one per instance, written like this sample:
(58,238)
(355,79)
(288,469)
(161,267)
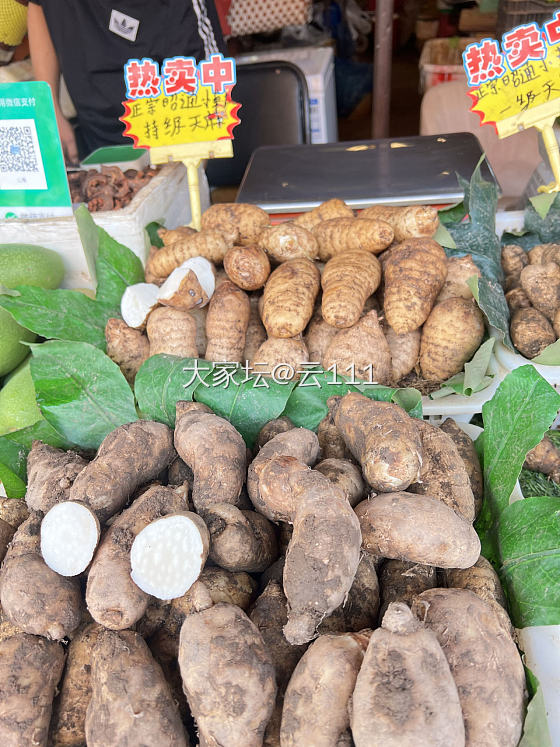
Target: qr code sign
(21,165)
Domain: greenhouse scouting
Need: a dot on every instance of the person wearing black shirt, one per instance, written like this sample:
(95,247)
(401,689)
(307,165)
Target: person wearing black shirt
(89,42)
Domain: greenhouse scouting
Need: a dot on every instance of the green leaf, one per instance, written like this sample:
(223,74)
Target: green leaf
(515,420)
(307,405)
(14,486)
(116,267)
(474,378)
(452,214)
(164,380)
(89,236)
(443,237)
(547,229)
(59,314)
(542,203)
(410,400)
(8,291)
(80,391)
(153,235)
(550,356)
(247,404)
(491,300)
(535,727)
(529,546)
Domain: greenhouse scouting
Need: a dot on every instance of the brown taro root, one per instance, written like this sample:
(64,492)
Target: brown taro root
(346,476)
(172,332)
(112,597)
(240,540)
(30,668)
(550,253)
(68,722)
(189,286)
(545,458)
(271,429)
(404,349)
(127,347)
(289,296)
(324,550)
(6,534)
(13,511)
(297,442)
(405,693)
(282,359)
(511,282)
(517,299)
(318,694)
(514,259)
(226,323)
(417,528)
(414,274)
(531,332)
(33,597)
(170,236)
(256,333)
(459,270)
(209,244)
(535,254)
(481,579)
(288,241)
(359,610)
(347,281)
(402,581)
(334,208)
(361,351)
(130,456)
(270,615)
(238,222)
(199,316)
(228,676)
(131,702)
(467,452)
(383,438)
(318,336)
(541,283)
(225,586)
(407,222)
(215,452)
(350,234)
(443,474)
(484,662)
(331,441)
(451,335)
(247,266)
(50,475)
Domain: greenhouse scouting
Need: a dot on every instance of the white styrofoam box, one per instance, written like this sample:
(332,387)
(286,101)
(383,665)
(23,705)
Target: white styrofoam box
(509,220)
(460,407)
(165,198)
(317,64)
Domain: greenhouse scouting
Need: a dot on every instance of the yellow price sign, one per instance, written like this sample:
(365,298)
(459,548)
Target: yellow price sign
(518,86)
(182,112)
(180,118)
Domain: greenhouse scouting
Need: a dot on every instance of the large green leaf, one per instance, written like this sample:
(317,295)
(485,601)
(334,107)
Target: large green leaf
(247,402)
(164,380)
(550,356)
(80,391)
(515,420)
(59,314)
(535,726)
(547,228)
(116,266)
(529,547)
(490,297)
(474,378)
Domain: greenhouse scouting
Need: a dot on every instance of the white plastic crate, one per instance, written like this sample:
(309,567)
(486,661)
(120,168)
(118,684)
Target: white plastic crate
(165,198)
(317,64)
(458,406)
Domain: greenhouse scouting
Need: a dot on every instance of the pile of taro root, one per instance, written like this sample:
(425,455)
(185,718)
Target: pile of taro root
(108,189)
(325,589)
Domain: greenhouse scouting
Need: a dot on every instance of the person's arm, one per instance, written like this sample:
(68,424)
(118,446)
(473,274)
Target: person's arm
(46,67)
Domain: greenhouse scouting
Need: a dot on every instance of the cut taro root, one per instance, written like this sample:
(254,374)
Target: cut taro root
(69,536)
(168,555)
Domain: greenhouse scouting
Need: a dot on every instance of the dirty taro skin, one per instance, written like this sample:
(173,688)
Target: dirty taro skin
(316,701)
(128,457)
(215,452)
(228,676)
(383,438)
(405,695)
(30,669)
(131,702)
(484,662)
(50,474)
